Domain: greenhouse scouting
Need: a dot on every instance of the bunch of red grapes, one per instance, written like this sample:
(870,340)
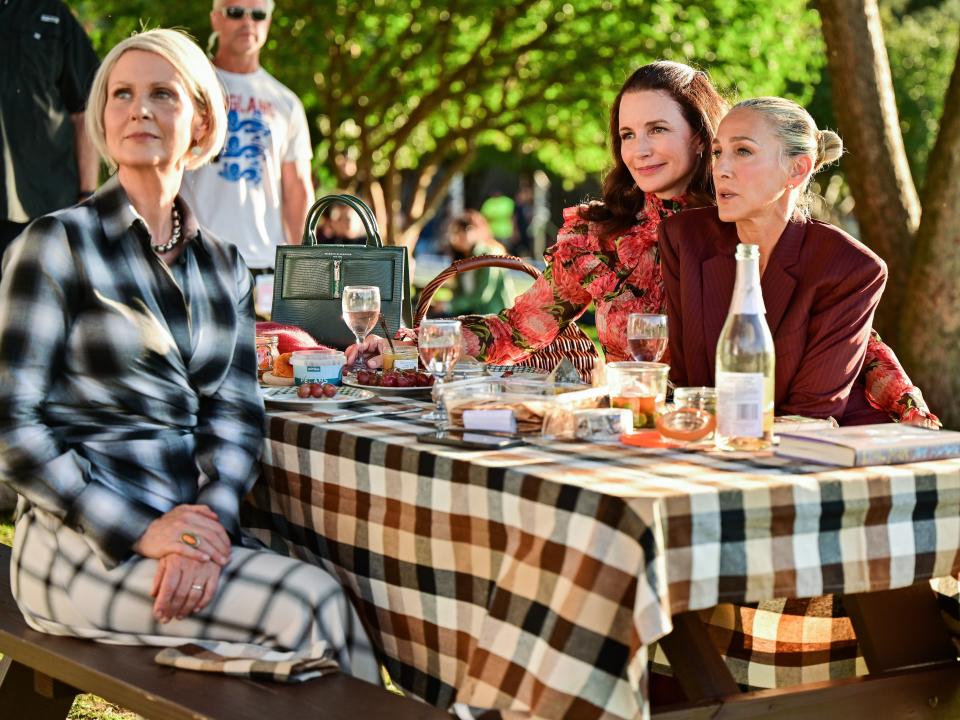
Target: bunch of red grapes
(316,390)
(395,378)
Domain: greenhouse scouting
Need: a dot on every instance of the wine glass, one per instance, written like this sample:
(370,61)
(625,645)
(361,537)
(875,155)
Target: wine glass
(647,336)
(361,310)
(439,345)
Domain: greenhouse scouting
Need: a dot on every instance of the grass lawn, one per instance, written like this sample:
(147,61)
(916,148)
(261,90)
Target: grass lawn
(85,707)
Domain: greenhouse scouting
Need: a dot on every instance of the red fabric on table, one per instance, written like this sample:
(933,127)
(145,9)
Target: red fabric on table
(290,338)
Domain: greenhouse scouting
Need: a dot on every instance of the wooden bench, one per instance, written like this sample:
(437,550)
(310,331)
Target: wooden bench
(41,674)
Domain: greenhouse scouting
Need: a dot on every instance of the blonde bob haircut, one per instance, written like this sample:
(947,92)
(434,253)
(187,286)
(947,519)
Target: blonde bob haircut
(197,73)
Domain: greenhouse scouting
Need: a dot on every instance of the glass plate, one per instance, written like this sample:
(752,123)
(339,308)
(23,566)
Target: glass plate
(288,396)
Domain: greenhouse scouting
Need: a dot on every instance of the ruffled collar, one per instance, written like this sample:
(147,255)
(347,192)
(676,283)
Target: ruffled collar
(655,208)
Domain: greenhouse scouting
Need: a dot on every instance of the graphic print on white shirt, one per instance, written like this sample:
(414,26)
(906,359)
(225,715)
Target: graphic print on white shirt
(238,196)
(245,150)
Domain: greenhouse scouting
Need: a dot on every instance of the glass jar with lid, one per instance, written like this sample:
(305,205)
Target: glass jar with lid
(267,353)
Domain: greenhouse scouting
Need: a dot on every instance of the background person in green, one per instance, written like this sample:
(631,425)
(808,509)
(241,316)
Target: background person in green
(498,210)
(483,291)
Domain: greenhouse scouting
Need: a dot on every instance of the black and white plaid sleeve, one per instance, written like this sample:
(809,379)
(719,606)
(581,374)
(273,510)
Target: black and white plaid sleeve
(230,423)
(38,293)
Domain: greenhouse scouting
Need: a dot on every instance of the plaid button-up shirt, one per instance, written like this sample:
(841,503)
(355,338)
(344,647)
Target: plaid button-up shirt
(127,387)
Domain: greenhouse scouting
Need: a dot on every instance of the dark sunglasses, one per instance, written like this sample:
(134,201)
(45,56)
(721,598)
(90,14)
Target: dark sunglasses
(238,13)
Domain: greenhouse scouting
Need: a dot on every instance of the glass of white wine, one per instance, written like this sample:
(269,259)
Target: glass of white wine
(439,345)
(647,336)
(361,310)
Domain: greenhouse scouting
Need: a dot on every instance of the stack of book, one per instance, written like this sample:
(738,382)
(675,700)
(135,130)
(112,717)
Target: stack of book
(886,444)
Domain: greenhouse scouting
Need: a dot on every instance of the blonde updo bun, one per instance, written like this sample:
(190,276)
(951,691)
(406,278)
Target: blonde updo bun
(829,147)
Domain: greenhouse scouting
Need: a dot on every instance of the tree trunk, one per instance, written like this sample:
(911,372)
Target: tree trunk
(888,209)
(930,320)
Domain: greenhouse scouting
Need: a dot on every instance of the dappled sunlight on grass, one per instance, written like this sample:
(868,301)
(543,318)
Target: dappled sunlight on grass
(6,528)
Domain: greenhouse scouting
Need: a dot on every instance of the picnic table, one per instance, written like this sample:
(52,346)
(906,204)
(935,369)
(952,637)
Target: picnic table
(533,580)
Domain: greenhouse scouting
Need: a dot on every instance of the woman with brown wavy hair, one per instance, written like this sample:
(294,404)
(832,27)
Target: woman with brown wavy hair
(661,123)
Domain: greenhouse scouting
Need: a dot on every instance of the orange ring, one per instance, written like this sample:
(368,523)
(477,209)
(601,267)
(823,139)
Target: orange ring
(687,435)
(189,539)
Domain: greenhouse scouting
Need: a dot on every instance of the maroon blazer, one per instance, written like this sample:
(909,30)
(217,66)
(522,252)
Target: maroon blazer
(820,288)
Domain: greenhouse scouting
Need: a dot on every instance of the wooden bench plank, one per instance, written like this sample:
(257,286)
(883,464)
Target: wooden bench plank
(929,694)
(913,630)
(128,676)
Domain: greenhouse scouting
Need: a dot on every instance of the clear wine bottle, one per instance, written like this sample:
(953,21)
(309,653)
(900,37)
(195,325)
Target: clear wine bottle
(745,363)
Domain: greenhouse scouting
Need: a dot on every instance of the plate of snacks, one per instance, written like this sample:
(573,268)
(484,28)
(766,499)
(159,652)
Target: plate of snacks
(398,382)
(313,395)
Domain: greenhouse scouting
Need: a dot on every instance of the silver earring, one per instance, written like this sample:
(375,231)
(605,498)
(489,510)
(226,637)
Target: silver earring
(196,151)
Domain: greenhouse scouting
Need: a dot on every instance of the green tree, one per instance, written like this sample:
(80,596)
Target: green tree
(402,94)
(914,231)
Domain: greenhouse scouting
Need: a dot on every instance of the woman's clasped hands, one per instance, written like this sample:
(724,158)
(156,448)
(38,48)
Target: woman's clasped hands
(191,546)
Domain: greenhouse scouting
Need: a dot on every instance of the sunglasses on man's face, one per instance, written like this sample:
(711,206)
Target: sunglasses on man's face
(238,13)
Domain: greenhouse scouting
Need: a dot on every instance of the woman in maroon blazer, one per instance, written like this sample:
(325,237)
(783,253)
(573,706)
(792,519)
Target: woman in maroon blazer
(820,286)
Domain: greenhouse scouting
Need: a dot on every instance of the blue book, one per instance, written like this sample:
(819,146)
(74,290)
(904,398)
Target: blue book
(885,444)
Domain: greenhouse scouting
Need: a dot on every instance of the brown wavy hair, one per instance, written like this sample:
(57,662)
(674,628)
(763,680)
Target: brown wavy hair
(702,107)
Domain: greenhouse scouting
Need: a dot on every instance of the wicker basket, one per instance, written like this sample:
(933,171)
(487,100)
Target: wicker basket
(571,343)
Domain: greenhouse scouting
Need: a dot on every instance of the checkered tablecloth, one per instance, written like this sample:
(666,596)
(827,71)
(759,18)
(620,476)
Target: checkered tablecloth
(533,579)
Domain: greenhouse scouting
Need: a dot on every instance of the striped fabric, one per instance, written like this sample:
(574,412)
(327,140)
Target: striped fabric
(574,345)
(252,661)
(534,579)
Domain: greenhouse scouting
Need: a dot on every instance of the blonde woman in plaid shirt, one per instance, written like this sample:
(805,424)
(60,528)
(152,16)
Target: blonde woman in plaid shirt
(130,420)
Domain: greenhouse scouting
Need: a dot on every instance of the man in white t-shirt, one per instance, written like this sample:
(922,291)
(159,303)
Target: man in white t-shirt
(256,193)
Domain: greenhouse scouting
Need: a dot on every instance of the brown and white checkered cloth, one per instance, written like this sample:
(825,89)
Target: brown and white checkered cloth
(252,661)
(534,579)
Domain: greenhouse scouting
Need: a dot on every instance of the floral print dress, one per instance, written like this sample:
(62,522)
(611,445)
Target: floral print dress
(621,274)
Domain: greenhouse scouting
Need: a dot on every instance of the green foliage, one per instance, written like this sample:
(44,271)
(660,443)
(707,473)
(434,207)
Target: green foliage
(6,528)
(922,45)
(402,93)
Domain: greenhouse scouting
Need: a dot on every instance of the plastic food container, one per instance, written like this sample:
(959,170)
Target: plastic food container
(602,424)
(537,408)
(317,366)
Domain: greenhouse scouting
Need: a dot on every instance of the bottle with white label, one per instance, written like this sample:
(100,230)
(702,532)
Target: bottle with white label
(745,363)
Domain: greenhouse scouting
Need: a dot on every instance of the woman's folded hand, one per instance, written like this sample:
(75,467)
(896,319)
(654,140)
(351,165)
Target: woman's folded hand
(182,586)
(193,531)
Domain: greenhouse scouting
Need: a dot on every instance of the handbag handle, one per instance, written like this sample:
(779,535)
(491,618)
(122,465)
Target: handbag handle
(354,203)
(466,264)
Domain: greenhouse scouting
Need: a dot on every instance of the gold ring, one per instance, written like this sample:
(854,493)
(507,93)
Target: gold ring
(188,538)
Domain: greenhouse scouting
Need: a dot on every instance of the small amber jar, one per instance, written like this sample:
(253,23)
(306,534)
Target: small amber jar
(267,353)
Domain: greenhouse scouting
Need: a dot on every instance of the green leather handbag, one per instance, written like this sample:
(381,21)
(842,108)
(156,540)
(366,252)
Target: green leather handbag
(309,278)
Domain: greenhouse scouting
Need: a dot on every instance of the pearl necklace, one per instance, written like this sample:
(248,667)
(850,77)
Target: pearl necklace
(174,236)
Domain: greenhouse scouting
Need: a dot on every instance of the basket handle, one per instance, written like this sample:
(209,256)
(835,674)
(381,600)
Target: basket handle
(466,264)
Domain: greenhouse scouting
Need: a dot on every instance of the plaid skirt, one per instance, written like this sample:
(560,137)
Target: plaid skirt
(263,598)
(777,643)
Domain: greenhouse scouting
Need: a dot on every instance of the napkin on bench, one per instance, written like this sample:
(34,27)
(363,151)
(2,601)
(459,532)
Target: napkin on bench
(251,661)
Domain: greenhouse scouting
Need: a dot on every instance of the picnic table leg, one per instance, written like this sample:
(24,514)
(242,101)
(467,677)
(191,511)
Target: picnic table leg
(26,693)
(696,663)
(900,628)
